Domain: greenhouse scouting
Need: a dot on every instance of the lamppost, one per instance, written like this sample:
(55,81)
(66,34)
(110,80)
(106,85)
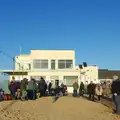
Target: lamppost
(83,67)
(13,67)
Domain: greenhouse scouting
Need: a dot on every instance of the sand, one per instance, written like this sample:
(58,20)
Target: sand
(66,108)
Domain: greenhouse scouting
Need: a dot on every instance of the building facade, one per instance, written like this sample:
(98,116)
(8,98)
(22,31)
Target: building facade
(107,75)
(52,65)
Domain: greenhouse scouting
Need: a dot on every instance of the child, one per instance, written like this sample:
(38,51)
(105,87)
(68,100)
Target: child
(18,94)
(37,94)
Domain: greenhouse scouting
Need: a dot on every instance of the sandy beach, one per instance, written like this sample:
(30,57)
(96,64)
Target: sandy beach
(66,108)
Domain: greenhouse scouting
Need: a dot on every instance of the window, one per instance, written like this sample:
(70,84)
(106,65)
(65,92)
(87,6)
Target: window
(69,80)
(43,64)
(36,64)
(69,63)
(53,64)
(40,64)
(62,64)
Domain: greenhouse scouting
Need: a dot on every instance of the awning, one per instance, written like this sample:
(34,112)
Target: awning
(15,72)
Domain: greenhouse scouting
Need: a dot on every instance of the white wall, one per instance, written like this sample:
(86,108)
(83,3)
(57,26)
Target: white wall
(45,54)
(89,73)
(52,54)
(22,60)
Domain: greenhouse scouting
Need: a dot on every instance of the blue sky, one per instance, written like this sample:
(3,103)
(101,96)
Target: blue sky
(91,27)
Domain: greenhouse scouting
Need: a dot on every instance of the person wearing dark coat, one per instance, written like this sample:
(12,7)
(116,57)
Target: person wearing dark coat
(115,89)
(45,90)
(41,87)
(62,88)
(91,91)
(81,89)
(12,88)
(50,88)
(17,85)
(57,91)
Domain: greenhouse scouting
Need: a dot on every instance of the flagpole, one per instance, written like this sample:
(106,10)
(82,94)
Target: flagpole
(20,49)
(21,67)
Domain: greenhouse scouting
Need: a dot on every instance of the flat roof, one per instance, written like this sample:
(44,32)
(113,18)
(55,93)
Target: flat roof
(10,70)
(14,72)
(24,55)
(53,49)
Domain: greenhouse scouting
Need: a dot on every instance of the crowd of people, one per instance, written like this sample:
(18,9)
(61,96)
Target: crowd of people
(101,89)
(107,89)
(33,89)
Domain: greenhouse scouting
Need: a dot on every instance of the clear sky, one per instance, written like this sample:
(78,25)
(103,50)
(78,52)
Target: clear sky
(91,27)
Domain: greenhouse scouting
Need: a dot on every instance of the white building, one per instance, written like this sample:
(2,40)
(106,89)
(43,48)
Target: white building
(52,65)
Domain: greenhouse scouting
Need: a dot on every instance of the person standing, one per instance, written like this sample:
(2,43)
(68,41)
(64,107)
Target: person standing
(12,88)
(62,88)
(81,89)
(32,87)
(108,88)
(104,88)
(41,87)
(45,90)
(50,88)
(91,91)
(99,91)
(115,89)
(75,89)
(23,89)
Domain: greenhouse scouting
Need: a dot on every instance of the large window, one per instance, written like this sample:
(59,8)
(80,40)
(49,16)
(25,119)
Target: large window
(69,80)
(40,64)
(36,64)
(62,64)
(53,64)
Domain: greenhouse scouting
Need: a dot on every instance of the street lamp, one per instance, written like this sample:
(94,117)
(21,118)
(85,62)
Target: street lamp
(80,68)
(13,66)
(83,66)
